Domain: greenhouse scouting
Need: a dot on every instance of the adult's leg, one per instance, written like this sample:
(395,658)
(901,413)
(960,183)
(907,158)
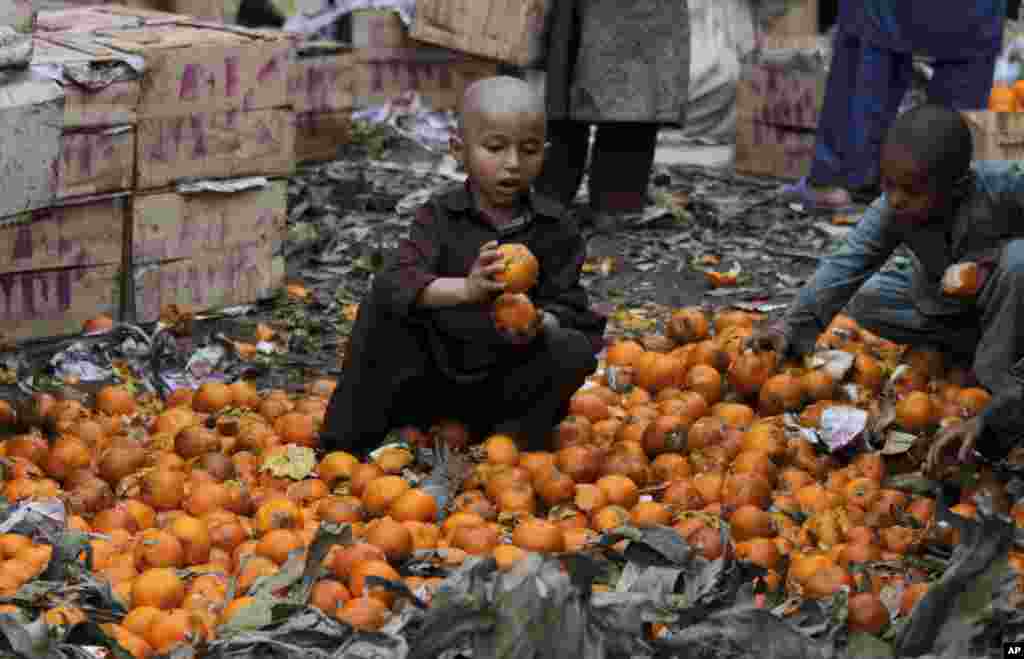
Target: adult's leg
(884,306)
(963,84)
(536,393)
(564,161)
(865,87)
(620,166)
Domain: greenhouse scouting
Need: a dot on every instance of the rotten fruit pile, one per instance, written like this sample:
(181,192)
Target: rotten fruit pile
(684,429)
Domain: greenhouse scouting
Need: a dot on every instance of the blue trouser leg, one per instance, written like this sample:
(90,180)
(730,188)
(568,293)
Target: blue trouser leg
(963,84)
(865,87)
(884,306)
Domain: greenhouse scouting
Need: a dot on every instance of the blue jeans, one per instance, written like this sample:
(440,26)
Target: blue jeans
(990,337)
(866,85)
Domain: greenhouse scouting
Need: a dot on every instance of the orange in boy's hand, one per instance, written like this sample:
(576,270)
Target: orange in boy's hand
(962,280)
(521,268)
(514,313)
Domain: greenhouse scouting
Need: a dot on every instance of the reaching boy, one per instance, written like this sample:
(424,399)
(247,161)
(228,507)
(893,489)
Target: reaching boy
(424,345)
(945,212)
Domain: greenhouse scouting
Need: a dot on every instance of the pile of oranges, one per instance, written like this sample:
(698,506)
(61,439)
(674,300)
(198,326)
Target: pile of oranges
(686,433)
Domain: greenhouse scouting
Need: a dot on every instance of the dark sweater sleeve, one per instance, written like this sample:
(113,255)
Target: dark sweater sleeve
(410,268)
(1002,424)
(561,293)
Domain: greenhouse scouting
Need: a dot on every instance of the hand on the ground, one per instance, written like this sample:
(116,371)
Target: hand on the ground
(480,284)
(954,446)
(768,339)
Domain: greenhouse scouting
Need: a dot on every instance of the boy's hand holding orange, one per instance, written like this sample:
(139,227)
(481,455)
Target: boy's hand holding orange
(481,285)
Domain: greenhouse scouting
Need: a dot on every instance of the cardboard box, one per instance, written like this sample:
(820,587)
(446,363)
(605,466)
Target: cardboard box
(172,226)
(801,19)
(322,78)
(64,267)
(772,150)
(99,17)
(31,113)
(997,135)
(193,68)
(83,232)
(57,302)
(389,64)
(319,135)
(237,275)
(786,86)
(207,249)
(95,161)
(100,87)
(778,104)
(214,145)
(505,30)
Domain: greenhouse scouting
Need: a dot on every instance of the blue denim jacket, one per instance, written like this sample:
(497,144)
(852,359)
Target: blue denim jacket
(990,214)
(947,29)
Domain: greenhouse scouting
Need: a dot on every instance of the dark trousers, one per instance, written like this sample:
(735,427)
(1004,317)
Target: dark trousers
(620,164)
(866,85)
(525,400)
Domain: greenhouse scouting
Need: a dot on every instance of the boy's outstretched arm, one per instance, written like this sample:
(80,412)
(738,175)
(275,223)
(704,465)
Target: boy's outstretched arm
(839,276)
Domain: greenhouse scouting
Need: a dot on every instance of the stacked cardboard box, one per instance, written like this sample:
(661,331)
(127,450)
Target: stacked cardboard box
(321,86)
(778,101)
(211,246)
(133,130)
(388,63)
(66,189)
(213,106)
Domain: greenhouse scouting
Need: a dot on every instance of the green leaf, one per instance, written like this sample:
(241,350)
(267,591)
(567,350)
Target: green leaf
(866,646)
(297,463)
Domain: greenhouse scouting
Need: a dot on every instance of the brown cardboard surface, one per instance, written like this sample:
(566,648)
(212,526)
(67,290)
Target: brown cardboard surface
(168,226)
(101,16)
(389,64)
(86,232)
(237,275)
(505,30)
(777,93)
(801,19)
(997,135)
(94,161)
(55,302)
(31,113)
(193,68)
(214,145)
(439,76)
(109,97)
(319,135)
(321,82)
(773,150)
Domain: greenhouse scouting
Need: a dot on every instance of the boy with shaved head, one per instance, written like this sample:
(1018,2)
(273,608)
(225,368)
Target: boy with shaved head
(424,345)
(945,212)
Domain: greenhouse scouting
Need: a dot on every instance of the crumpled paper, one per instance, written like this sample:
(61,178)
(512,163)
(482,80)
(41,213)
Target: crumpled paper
(842,426)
